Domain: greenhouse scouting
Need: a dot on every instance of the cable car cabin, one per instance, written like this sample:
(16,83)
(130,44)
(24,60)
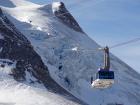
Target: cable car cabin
(104,79)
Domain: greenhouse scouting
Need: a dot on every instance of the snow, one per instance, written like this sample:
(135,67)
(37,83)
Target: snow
(15,93)
(39,28)
(77,66)
(21,94)
(26,95)
(56,6)
(75,48)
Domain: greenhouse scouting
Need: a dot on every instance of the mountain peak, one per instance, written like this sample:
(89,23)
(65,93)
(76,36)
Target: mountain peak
(58,54)
(57,5)
(64,15)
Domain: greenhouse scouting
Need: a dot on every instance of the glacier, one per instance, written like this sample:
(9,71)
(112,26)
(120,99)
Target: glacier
(71,57)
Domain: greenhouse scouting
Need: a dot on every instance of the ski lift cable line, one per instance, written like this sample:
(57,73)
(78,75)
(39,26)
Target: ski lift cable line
(87,50)
(74,4)
(37,26)
(54,16)
(125,43)
(114,46)
(79,10)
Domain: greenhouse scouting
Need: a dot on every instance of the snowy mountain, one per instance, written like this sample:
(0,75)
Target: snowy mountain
(46,51)
(20,62)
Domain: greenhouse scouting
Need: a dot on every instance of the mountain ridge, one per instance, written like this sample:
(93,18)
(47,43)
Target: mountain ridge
(54,43)
(12,47)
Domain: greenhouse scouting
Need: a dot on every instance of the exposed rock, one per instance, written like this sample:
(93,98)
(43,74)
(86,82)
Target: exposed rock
(17,48)
(63,14)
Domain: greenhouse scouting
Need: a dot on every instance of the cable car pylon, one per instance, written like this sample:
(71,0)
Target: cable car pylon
(104,76)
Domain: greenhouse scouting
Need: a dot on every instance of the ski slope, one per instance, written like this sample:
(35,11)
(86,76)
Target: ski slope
(61,49)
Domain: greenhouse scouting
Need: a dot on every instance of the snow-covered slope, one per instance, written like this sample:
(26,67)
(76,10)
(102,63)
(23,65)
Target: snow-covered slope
(56,38)
(25,66)
(15,93)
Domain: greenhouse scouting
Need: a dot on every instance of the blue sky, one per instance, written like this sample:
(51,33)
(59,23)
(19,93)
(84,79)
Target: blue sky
(109,22)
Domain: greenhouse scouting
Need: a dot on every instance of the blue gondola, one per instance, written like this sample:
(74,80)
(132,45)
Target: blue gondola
(104,77)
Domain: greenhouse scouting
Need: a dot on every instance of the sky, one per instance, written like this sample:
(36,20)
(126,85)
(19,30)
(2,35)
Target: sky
(109,22)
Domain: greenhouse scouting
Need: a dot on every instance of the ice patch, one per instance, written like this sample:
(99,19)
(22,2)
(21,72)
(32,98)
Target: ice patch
(39,28)
(75,49)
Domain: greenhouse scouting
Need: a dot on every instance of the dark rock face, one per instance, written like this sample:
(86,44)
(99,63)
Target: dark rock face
(17,48)
(64,15)
(1,12)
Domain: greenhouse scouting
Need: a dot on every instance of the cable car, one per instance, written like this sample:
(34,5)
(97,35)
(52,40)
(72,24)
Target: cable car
(104,76)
